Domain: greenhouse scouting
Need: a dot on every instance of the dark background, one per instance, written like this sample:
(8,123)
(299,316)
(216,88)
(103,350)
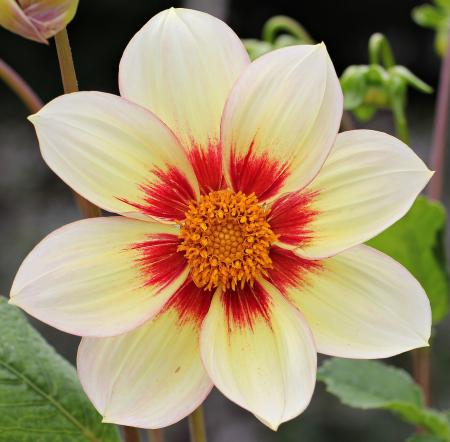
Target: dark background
(33,201)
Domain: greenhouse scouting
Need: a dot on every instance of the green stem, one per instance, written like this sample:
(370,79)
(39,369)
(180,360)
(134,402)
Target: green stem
(70,84)
(197,429)
(279,24)
(20,87)
(401,123)
(379,47)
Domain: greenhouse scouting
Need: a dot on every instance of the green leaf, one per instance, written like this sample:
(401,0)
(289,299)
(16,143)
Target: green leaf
(41,399)
(417,242)
(372,384)
(427,16)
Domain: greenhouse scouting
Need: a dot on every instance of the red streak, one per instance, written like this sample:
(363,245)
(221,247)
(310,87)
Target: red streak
(290,270)
(190,302)
(166,196)
(207,165)
(159,261)
(244,306)
(290,215)
(257,174)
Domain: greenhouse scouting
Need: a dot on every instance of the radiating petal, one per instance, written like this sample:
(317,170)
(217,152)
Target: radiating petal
(281,120)
(359,303)
(369,181)
(101,276)
(150,377)
(116,154)
(259,352)
(181,65)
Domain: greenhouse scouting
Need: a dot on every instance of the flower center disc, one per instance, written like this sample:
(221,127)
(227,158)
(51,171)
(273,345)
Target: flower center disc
(226,239)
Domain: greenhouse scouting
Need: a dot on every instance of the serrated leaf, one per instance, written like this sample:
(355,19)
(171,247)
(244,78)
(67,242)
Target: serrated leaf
(417,242)
(370,384)
(41,399)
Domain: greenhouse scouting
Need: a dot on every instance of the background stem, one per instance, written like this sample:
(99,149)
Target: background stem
(197,429)
(70,84)
(155,435)
(20,87)
(131,434)
(437,158)
(422,371)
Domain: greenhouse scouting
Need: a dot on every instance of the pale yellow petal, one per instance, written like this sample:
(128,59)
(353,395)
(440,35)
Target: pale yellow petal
(100,276)
(259,352)
(281,120)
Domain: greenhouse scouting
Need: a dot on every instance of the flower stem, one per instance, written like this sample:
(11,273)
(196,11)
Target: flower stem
(437,158)
(401,124)
(155,435)
(131,434)
(20,87)
(197,429)
(422,371)
(70,84)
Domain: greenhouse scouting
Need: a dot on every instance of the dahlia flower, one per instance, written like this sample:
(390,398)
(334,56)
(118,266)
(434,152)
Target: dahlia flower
(36,20)
(237,251)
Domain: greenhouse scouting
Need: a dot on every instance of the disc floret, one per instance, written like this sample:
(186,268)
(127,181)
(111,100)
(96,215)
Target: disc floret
(226,239)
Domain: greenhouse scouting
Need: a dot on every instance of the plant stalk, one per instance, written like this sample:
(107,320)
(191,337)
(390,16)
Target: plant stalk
(70,84)
(155,435)
(437,158)
(20,87)
(197,428)
(422,371)
(130,434)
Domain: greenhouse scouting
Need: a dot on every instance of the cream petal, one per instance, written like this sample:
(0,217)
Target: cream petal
(369,181)
(259,352)
(100,276)
(280,121)
(362,304)
(181,65)
(150,377)
(116,154)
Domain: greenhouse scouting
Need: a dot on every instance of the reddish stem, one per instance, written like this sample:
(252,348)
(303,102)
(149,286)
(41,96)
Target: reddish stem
(20,87)
(437,159)
(131,434)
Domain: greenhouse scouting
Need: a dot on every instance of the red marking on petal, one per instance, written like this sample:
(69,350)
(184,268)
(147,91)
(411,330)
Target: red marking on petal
(190,302)
(290,270)
(289,218)
(261,175)
(159,261)
(243,306)
(207,165)
(166,196)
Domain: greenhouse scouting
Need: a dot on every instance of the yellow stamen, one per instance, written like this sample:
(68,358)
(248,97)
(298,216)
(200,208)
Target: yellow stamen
(226,239)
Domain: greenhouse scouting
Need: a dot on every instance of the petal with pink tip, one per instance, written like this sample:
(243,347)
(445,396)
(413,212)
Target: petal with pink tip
(369,181)
(181,65)
(151,377)
(116,154)
(280,121)
(259,352)
(100,276)
(358,304)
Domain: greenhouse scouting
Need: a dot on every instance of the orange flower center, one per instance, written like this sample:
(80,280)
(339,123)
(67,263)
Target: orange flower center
(226,239)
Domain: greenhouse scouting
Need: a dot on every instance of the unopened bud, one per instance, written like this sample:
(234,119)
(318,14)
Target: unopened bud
(36,20)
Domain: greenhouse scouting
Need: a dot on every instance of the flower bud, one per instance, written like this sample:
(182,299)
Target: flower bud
(36,20)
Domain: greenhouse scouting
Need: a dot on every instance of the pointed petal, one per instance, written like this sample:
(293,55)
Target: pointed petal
(151,377)
(116,154)
(100,276)
(359,304)
(369,181)
(281,120)
(181,65)
(259,352)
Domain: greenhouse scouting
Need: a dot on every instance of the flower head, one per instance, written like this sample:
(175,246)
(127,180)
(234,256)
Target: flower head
(36,20)
(237,254)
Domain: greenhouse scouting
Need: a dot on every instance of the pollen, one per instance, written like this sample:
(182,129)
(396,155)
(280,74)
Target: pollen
(226,240)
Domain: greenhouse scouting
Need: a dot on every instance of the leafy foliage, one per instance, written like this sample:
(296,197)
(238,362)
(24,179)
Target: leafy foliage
(417,242)
(372,384)
(40,395)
